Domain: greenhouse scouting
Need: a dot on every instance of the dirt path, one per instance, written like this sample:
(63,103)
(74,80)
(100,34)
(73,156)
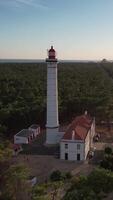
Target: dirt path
(42,166)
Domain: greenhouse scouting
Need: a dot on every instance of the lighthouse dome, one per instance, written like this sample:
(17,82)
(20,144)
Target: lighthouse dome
(52,49)
(52,53)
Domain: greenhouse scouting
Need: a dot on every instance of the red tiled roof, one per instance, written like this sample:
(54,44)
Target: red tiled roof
(78,129)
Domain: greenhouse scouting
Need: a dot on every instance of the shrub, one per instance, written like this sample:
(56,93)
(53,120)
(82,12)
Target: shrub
(68,175)
(101,180)
(108,150)
(56,176)
(39,192)
(60,176)
(107,162)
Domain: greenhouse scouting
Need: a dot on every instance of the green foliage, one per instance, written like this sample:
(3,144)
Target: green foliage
(68,175)
(101,180)
(44,191)
(84,194)
(60,176)
(23,94)
(38,190)
(17,173)
(81,86)
(107,162)
(13,178)
(16,181)
(86,85)
(78,182)
(95,186)
(56,176)
(5,151)
(108,150)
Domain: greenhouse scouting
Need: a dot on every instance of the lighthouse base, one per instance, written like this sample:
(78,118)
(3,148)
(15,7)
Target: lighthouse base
(52,135)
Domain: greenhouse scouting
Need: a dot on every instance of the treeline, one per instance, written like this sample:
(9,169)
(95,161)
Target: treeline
(82,86)
(85,86)
(22,95)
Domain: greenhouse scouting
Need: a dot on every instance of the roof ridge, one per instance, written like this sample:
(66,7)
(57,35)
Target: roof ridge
(83,124)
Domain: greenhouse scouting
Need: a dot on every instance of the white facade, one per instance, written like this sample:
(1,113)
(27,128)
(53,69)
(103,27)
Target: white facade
(74,150)
(25,136)
(52,124)
(20,140)
(35,129)
(89,139)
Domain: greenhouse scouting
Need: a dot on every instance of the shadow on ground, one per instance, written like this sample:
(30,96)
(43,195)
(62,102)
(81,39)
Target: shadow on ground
(38,147)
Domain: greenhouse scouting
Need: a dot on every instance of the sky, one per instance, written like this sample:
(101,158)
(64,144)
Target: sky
(78,29)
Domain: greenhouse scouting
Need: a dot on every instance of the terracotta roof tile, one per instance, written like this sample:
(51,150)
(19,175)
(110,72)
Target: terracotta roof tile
(78,129)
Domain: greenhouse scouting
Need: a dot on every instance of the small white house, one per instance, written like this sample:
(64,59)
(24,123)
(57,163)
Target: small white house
(25,136)
(78,139)
(35,128)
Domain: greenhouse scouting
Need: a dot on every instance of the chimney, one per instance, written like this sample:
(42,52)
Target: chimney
(73,135)
(85,112)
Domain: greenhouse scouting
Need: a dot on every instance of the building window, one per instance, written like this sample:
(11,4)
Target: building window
(78,146)
(66,146)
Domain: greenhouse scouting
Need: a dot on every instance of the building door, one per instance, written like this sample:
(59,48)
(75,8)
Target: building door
(66,156)
(78,156)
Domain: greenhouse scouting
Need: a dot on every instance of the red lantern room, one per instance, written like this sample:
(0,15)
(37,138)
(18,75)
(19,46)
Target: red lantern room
(52,53)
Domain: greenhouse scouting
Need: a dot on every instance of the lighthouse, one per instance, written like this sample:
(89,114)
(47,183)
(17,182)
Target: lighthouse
(52,123)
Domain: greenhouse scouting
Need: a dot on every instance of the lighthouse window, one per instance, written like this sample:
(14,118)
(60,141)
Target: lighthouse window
(66,146)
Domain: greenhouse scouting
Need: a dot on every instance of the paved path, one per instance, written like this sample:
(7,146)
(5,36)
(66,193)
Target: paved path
(84,169)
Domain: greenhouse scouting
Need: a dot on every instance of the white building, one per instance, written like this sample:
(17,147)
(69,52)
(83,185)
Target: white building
(35,128)
(78,139)
(52,125)
(25,136)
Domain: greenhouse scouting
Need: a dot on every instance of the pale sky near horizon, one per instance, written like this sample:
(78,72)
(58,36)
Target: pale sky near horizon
(78,29)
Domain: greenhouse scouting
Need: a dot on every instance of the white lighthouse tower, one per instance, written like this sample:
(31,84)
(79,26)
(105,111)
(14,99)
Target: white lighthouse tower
(52,124)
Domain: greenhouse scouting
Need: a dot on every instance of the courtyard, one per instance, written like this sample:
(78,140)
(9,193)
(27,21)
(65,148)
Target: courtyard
(42,159)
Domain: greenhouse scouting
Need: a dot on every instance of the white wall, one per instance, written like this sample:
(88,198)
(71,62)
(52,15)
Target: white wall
(89,139)
(72,146)
(93,128)
(59,136)
(52,135)
(72,149)
(52,95)
(20,140)
(35,131)
(52,123)
(87,143)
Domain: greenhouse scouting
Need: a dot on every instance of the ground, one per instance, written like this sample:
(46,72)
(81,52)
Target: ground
(42,166)
(106,139)
(110,197)
(42,159)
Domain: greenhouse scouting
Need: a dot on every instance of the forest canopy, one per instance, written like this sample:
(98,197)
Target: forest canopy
(82,86)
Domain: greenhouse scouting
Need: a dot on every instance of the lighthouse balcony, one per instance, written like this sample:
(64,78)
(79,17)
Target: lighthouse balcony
(51,59)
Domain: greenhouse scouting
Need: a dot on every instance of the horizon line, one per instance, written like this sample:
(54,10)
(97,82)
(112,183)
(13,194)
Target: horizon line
(16,60)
